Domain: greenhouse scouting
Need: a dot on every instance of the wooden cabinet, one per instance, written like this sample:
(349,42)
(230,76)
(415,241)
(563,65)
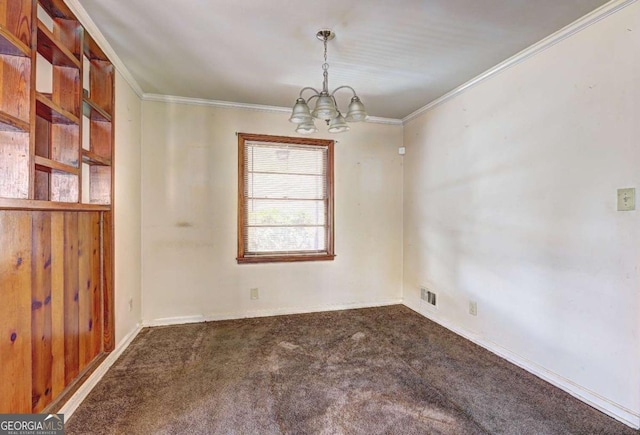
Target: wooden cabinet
(56,194)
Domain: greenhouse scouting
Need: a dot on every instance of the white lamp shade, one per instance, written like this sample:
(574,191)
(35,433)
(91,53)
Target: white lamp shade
(300,112)
(338,125)
(357,111)
(325,108)
(306,128)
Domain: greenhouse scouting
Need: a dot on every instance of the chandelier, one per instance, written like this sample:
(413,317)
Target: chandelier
(326,107)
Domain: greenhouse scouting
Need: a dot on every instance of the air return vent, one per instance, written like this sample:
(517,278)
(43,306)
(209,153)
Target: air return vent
(428,296)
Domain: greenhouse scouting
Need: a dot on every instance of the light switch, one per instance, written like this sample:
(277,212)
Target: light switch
(627,199)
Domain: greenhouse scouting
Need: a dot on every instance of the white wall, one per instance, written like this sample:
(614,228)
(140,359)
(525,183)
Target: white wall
(127,209)
(510,201)
(189,212)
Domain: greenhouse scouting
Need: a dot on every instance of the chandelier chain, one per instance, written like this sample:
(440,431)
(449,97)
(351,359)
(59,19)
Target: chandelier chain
(325,65)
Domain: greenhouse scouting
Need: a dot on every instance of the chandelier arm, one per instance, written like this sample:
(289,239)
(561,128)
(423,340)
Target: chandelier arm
(344,87)
(335,103)
(309,88)
(312,97)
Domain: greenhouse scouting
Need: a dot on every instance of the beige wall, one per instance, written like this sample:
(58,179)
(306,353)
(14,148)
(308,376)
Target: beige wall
(127,209)
(510,201)
(189,178)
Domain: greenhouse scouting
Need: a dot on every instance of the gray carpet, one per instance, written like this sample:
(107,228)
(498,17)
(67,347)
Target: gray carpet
(370,371)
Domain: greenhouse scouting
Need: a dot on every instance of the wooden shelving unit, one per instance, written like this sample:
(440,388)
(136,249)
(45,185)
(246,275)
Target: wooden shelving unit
(56,195)
(16,17)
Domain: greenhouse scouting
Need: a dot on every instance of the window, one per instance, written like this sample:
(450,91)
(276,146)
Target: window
(285,199)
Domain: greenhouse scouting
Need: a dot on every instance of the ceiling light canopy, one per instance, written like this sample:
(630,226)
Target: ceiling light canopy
(326,107)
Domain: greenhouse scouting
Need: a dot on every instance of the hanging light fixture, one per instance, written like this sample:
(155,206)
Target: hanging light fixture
(326,108)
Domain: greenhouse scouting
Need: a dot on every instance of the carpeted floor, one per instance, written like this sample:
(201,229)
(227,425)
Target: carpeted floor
(370,371)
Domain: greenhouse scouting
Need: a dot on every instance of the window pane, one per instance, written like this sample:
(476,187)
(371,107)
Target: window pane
(283,158)
(285,186)
(279,212)
(285,239)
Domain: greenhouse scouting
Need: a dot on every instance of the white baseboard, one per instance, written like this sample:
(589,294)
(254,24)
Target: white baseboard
(619,412)
(72,404)
(266,313)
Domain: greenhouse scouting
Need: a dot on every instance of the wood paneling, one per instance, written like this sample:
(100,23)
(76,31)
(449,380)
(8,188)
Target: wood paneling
(96,286)
(108,341)
(15,323)
(89,298)
(51,303)
(71,294)
(41,324)
(57,302)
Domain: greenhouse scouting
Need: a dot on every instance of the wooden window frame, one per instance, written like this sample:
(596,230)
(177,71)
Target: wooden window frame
(329,253)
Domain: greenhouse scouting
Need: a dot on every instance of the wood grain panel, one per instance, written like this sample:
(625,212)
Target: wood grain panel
(107,280)
(100,138)
(17,18)
(14,165)
(65,148)
(100,187)
(65,144)
(67,82)
(41,310)
(85,303)
(15,323)
(15,86)
(57,302)
(71,294)
(100,82)
(96,286)
(68,32)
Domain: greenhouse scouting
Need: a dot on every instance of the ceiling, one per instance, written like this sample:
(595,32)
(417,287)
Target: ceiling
(399,56)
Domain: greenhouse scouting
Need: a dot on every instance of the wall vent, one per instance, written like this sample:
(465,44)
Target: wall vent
(428,296)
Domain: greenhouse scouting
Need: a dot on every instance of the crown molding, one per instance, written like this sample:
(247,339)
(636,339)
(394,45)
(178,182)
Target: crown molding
(245,106)
(388,121)
(577,26)
(213,103)
(96,34)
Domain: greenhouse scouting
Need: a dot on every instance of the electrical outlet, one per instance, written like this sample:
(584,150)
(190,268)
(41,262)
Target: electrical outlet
(626,199)
(253,294)
(473,308)
(423,293)
(130,304)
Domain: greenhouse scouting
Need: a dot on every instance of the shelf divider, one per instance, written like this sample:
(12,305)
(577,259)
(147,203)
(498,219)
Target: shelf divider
(11,45)
(49,164)
(94,159)
(52,112)
(94,112)
(53,50)
(32,204)
(11,123)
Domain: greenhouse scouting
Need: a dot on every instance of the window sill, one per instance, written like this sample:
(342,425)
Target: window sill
(284,258)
